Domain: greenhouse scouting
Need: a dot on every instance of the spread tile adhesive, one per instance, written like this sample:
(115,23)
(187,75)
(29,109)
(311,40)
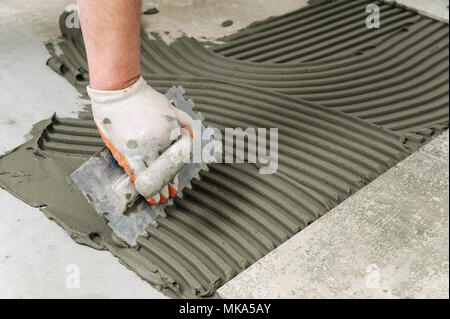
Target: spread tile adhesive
(349,103)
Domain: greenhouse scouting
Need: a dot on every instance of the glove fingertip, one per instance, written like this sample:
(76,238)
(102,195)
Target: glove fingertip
(155,200)
(173,191)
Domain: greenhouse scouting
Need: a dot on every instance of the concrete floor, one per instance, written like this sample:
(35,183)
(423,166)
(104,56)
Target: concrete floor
(41,264)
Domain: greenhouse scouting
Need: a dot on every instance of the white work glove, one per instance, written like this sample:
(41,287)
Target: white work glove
(138,124)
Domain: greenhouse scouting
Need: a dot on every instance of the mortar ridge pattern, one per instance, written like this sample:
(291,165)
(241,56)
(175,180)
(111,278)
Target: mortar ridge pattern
(349,104)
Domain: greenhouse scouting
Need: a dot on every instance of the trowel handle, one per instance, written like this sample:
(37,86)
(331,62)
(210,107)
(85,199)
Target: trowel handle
(162,171)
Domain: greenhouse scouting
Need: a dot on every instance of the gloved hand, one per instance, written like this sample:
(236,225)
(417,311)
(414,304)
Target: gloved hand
(137,124)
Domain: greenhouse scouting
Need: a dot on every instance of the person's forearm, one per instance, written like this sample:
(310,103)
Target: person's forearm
(111,32)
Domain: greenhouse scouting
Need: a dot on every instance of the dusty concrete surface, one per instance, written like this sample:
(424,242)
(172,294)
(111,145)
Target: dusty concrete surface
(40,15)
(29,90)
(436,8)
(438,149)
(389,240)
(39,260)
(203,19)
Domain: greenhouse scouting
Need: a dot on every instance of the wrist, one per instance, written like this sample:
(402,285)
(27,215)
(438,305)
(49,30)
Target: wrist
(112,80)
(107,96)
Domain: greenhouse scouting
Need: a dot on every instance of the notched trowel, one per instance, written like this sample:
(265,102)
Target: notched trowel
(111,192)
